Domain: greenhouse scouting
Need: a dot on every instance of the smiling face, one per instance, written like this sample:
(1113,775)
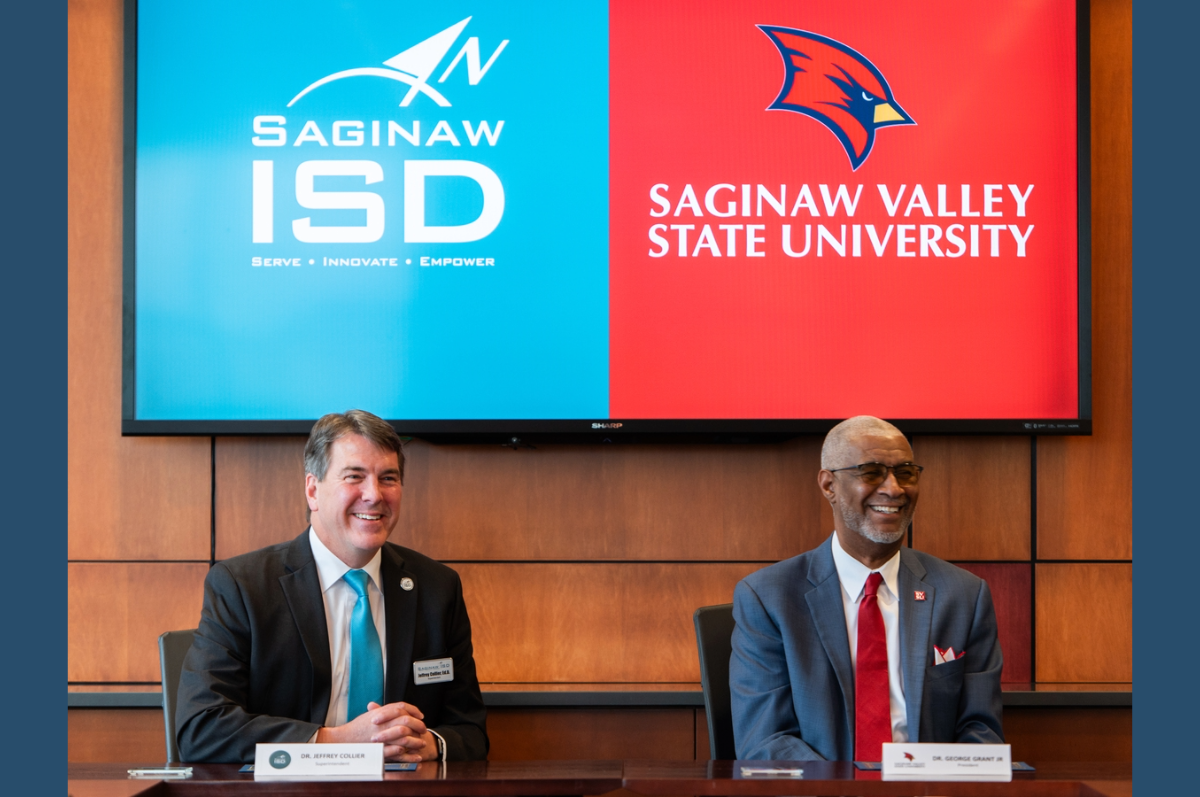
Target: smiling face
(869,516)
(356,506)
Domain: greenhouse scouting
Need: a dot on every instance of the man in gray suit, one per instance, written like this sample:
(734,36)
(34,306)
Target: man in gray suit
(862,640)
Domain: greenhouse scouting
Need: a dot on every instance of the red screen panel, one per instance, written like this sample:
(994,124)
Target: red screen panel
(937,279)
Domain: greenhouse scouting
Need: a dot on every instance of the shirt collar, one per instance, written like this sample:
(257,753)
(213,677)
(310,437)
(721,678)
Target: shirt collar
(853,573)
(330,568)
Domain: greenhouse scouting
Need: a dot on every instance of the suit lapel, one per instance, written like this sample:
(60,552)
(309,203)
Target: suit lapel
(916,620)
(302,588)
(400,615)
(829,617)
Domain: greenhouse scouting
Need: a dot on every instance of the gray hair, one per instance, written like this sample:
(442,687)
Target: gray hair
(335,425)
(836,448)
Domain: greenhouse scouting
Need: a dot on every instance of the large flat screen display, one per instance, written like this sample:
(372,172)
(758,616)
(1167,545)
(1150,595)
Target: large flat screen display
(488,218)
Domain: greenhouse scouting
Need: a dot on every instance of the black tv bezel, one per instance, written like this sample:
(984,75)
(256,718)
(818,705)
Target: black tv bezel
(614,430)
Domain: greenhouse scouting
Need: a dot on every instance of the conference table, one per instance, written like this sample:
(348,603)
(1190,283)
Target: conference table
(647,778)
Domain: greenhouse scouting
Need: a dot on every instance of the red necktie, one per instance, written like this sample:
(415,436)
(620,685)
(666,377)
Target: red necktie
(872,713)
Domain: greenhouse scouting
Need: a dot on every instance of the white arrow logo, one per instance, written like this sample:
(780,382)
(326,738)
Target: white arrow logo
(415,65)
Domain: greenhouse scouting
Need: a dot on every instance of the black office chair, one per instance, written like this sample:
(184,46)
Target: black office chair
(172,647)
(714,630)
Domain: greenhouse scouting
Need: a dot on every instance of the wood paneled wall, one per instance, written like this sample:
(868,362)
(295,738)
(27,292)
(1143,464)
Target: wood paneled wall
(583,564)
(1087,512)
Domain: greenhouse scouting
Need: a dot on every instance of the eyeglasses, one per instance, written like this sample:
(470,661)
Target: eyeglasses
(873,473)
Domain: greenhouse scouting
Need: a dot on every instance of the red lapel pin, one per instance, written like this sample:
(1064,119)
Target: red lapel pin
(919,594)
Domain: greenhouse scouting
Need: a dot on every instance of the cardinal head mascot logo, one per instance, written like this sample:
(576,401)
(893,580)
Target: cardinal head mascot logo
(834,84)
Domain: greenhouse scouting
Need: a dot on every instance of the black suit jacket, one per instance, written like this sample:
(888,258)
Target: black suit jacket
(259,668)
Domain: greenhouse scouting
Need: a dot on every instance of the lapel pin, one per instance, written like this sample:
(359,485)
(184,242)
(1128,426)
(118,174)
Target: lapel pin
(918,594)
(406,584)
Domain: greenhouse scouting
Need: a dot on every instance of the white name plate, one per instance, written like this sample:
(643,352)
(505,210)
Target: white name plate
(318,762)
(947,762)
(433,671)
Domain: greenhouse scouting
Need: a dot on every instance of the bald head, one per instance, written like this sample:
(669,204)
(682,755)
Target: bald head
(840,443)
(870,516)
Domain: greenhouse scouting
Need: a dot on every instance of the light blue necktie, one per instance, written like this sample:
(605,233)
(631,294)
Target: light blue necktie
(366,655)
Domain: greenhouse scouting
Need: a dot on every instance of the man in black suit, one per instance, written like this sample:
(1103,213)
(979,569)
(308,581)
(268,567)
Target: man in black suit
(338,635)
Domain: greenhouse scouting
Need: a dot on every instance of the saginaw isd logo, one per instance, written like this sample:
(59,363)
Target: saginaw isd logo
(416,65)
(280,759)
(836,85)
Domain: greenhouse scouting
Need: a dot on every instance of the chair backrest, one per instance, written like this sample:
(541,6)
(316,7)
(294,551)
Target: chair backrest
(172,647)
(714,630)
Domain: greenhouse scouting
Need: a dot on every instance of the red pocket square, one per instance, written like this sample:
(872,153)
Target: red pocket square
(943,656)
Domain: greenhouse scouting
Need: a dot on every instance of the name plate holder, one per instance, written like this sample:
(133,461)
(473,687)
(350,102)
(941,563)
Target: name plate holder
(328,762)
(984,762)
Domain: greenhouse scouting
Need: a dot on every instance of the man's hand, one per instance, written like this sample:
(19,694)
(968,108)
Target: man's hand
(398,726)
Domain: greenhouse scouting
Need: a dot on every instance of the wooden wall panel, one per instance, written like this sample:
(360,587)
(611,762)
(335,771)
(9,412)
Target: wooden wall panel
(1084,623)
(1085,484)
(530,734)
(115,612)
(591,623)
(134,736)
(1069,734)
(259,492)
(1011,589)
(974,501)
(558,502)
(751,502)
(126,498)
(152,503)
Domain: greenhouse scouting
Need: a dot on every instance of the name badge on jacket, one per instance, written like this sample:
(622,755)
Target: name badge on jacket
(433,671)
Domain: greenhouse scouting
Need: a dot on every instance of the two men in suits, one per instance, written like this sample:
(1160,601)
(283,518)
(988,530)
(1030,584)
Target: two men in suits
(338,635)
(862,640)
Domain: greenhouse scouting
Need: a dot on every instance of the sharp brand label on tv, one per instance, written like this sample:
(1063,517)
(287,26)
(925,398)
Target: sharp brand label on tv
(635,212)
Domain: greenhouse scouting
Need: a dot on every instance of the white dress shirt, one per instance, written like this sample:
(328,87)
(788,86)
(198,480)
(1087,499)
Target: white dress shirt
(853,575)
(340,598)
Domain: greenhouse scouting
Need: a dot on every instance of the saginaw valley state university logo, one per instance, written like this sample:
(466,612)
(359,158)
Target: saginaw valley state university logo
(836,85)
(417,64)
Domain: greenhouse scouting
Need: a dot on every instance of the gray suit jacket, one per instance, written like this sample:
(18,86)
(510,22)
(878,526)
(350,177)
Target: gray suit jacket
(259,669)
(790,677)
